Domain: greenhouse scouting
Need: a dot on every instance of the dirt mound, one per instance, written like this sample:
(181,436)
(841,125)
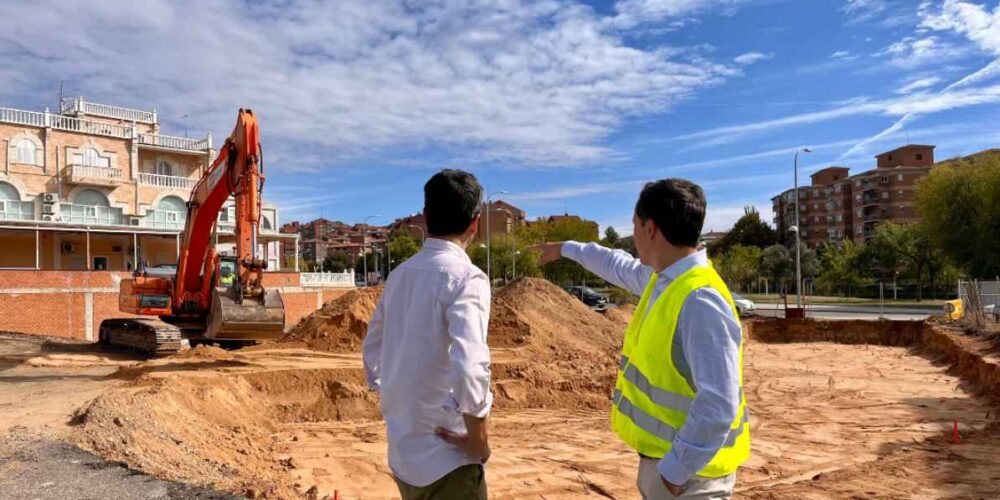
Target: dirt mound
(621,314)
(205,352)
(340,325)
(551,350)
(205,431)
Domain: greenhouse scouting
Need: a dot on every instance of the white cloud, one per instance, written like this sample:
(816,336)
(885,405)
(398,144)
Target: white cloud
(863,10)
(752,57)
(915,84)
(974,21)
(911,52)
(631,13)
(538,83)
(841,54)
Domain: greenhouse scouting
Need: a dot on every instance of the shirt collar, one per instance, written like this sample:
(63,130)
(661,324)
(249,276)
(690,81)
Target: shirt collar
(697,259)
(438,244)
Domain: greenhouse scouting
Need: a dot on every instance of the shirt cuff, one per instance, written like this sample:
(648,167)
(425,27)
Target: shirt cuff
(671,468)
(481,410)
(572,249)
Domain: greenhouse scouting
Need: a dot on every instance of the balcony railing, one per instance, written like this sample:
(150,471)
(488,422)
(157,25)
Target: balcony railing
(85,174)
(327,279)
(17,210)
(84,126)
(167,181)
(130,115)
(71,124)
(166,219)
(172,142)
(87,214)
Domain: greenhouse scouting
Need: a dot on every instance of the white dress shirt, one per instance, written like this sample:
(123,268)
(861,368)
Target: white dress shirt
(426,353)
(706,352)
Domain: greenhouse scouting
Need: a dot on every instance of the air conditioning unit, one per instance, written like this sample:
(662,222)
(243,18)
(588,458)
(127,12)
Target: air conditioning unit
(134,221)
(51,218)
(50,209)
(50,198)
(68,248)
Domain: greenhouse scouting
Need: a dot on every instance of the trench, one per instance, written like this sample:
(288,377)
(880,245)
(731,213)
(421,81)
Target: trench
(848,408)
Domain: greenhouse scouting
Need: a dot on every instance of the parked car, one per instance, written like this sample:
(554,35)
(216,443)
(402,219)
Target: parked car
(589,296)
(744,306)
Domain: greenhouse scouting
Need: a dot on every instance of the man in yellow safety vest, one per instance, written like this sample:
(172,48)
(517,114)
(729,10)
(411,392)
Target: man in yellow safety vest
(678,400)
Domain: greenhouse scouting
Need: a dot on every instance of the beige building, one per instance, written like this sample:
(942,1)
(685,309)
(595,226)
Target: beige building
(99,187)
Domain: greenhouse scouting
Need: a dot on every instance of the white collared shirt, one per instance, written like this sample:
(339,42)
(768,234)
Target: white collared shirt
(426,353)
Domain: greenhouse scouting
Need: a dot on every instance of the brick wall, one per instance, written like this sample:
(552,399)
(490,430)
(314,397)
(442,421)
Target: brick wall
(72,304)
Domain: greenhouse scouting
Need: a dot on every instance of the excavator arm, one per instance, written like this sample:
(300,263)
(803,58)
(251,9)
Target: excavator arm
(195,301)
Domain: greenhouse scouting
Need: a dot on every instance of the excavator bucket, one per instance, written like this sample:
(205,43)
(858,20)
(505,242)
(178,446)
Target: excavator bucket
(252,320)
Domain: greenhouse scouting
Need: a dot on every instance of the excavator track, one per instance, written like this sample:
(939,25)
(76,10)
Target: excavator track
(148,335)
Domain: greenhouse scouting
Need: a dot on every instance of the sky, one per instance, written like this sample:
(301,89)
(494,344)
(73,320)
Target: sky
(570,106)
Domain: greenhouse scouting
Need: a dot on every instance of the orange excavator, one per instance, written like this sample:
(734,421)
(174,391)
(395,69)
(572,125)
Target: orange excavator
(211,298)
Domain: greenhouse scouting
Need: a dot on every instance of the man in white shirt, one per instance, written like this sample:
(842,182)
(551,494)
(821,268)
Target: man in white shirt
(426,352)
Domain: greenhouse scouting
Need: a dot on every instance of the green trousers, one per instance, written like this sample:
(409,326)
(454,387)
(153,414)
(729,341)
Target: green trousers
(467,482)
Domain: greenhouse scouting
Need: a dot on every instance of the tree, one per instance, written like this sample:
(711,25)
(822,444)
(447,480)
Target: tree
(610,237)
(337,262)
(909,243)
(960,205)
(740,265)
(402,246)
(777,265)
(562,271)
(843,266)
(525,262)
(749,230)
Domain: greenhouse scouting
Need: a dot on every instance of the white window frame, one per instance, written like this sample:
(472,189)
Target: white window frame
(22,146)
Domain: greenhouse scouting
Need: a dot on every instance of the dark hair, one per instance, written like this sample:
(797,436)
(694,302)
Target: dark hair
(677,207)
(451,202)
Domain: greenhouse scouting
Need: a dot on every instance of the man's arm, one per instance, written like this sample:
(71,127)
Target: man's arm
(468,316)
(710,337)
(372,348)
(614,266)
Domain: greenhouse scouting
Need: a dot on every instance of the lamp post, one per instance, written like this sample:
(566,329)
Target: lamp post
(423,234)
(489,276)
(798,232)
(364,246)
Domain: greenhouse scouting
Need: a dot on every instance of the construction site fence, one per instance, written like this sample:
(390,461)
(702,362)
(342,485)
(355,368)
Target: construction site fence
(888,290)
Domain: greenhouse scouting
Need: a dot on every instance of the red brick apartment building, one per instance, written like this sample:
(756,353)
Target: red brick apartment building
(837,206)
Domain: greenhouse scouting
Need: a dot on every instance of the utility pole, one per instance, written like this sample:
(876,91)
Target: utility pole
(798,233)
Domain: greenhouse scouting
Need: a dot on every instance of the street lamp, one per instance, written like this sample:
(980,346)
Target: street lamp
(798,251)
(423,234)
(364,246)
(488,275)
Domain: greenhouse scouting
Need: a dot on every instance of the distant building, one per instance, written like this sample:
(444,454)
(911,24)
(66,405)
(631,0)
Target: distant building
(504,219)
(837,206)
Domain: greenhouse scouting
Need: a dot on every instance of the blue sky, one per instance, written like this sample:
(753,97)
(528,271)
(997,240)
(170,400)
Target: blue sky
(567,105)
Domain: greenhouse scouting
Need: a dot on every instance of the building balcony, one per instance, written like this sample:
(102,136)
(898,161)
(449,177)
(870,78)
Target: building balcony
(81,107)
(166,219)
(96,176)
(167,181)
(172,143)
(17,210)
(88,214)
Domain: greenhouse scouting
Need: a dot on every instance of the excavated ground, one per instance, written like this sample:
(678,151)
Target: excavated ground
(838,409)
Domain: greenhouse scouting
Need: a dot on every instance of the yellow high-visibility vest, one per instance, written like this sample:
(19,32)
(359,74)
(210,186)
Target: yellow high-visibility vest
(651,397)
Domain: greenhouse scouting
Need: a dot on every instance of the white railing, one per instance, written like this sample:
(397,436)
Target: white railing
(107,111)
(22,117)
(71,124)
(17,210)
(345,279)
(169,141)
(166,181)
(82,171)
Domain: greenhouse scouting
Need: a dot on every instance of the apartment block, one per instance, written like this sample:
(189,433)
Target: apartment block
(836,206)
(98,187)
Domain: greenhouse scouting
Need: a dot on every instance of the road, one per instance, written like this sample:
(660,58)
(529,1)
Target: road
(852,311)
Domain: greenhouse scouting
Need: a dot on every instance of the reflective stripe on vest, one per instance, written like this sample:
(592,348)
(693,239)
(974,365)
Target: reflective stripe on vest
(662,397)
(664,430)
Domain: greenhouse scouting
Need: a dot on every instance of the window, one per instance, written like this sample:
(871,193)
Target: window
(91,158)
(889,158)
(884,179)
(164,168)
(920,156)
(857,183)
(885,195)
(899,177)
(100,263)
(266,223)
(840,218)
(92,198)
(26,152)
(836,177)
(815,206)
(900,192)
